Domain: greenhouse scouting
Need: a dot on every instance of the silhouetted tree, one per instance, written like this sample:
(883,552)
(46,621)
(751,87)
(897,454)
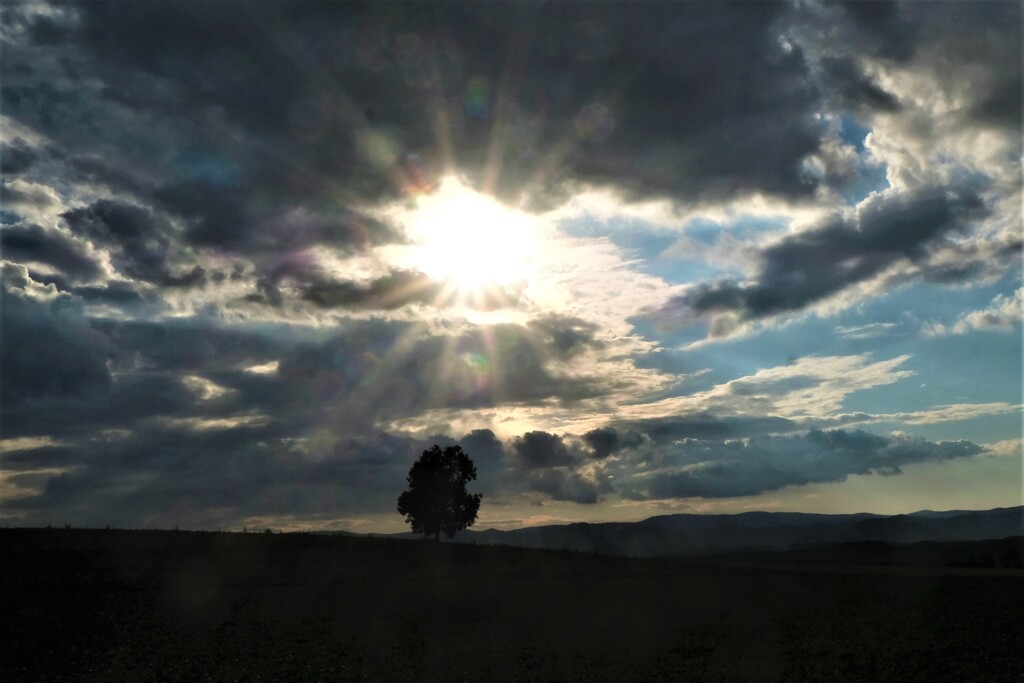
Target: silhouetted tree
(437,500)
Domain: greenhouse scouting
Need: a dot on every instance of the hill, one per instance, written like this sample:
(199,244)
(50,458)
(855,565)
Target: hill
(687,535)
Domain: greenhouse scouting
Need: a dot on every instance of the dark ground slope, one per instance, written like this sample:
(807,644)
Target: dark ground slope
(688,534)
(155,605)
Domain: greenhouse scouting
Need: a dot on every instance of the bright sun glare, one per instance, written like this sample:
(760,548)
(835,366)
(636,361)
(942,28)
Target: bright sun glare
(470,240)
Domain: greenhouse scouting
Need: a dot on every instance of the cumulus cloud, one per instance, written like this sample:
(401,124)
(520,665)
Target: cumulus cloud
(568,104)
(1004,314)
(541,450)
(811,386)
(142,241)
(485,447)
(702,425)
(371,372)
(810,265)
(16,157)
(735,458)
(33,244)
(563,484)
(166,474)
(49,350)
(854,88)
(605,441)
(721,469)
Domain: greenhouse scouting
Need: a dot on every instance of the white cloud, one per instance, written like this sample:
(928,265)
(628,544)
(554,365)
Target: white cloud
(264,368)
(813,385)
(26,443)
(945,413)
(809,390)
(24,484)
(869,331)
(1008,448)
(1004,314)
(17,278)
(204,389)
(202,424)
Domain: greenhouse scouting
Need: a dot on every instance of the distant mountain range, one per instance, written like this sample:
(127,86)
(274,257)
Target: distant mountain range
(683,535)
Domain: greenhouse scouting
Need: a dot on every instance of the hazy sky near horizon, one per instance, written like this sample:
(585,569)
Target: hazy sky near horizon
(635,258)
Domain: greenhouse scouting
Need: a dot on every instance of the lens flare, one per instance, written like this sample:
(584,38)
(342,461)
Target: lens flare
(476,98)
(476,361)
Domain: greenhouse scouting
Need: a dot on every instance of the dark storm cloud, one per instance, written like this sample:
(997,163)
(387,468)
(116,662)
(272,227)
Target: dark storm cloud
(141,239)
(193,345)
(161,476)
(973,46)
(296,227)
(808,266)
(266,214)
(142,448)
(663,431)
(119,293)
(371,371)
(976,46)
(112,374)
(181,45)
(393,370)
(881,29)
(563,484)
(261,127)
(722,469)
(48,349)
(16,157)
(171,459)
(164,472)
(660,99)
(440,371)
(100,375)
(854,88)
(972,260)
(702,85)
(28,243)
(606,441)
(393,290)
(484,446)
(218,216)
(32,197)
(545,463)
(656,99)
(494,471)
(568,335)
(537,450)
(729,458)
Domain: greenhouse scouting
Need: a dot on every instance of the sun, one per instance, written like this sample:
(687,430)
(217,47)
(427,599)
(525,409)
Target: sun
(470,240)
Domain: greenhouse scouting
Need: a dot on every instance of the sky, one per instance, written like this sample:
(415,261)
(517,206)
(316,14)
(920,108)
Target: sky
(635,258)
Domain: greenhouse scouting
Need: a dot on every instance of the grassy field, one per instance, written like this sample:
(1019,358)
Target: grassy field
(163,605)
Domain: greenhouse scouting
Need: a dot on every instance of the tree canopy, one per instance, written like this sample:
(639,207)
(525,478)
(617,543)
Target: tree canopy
(437,501)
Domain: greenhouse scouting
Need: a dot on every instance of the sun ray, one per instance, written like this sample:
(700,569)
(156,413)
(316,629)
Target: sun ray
(515,63)
(570,141)
(496,368)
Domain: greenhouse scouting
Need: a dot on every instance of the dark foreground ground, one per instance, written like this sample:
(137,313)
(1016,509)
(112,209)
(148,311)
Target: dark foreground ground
(160,605)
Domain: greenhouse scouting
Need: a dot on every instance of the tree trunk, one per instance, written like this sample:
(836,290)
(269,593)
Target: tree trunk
(437,535)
